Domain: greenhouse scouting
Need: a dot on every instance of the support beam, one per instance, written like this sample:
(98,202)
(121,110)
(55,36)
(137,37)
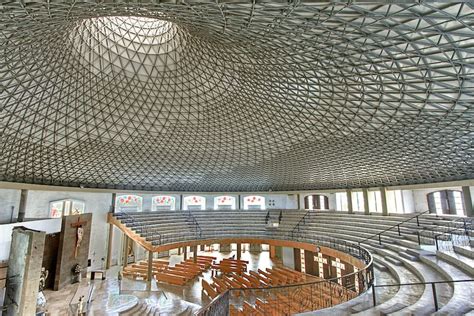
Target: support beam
(383,196)
(185,252)
(108,262)
(350,209)
(149,274)
(468,206)
(365,193)
(112,206)
(195,253)
(239,251)
(238,199)
(22,206)
(125,251)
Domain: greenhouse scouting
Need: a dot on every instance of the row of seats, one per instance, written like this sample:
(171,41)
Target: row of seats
(399,258)
(179,274)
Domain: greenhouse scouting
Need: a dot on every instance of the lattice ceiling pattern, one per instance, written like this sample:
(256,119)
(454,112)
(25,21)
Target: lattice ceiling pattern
(235,96)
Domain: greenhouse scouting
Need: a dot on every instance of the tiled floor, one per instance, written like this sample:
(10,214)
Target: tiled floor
(171,299)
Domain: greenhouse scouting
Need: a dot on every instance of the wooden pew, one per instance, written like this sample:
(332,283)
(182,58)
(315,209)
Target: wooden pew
(208,289)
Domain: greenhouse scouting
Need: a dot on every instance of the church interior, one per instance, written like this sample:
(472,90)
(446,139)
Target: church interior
(236,158)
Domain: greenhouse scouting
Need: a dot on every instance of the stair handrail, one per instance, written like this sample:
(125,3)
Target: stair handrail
(379,234)
(297,226)
(141,226)
(365,277)
(195,223)
(453,230)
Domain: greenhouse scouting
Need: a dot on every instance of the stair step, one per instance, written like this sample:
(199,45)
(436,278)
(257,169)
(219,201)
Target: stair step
(408,256)
(380,266)
(393,261)
(413,252)
(465,251)
(392,309)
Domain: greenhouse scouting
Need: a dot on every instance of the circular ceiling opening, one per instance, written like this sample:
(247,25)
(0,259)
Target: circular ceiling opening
(132,46)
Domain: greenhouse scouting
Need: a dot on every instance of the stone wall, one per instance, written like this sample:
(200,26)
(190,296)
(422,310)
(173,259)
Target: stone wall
(66,251)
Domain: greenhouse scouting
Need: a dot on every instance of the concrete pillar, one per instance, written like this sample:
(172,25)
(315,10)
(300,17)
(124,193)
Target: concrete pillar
(255,248)
(112,205)
(272,252)
(108,262)
(298,205)
(125,251)
(350,209)
(195,253)
(22,206)
(468,206)
(239,202)
(149,274)
(239,251)
(24,271)
(365,193)
(185,252)
(383,196)
(224,247)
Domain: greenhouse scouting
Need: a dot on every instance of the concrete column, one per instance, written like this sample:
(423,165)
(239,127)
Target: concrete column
(24,271)
(350,209)
(239,251)
(272,252)
(112,205)
(298,205)
(383,196)
(22,206)
(149,274)
(185,252)
(125,251)
(108,262)
(239,207)
(365,193)
(468,206)
(195,253)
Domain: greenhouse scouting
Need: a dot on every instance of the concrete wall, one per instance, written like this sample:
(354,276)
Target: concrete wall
(9,203)
(98,204)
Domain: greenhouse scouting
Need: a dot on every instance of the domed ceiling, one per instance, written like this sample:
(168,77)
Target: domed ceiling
(236,95)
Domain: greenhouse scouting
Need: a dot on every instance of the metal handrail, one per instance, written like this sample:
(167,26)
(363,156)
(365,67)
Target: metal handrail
(141,226)
(303,219)
(195,222)
(396,225)
(367,281)
(433,287)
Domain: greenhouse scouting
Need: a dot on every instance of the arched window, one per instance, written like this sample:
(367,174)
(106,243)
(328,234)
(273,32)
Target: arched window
(254,202)
(194,202)
(129,203)
(224,202)
(163,202)
(66,207)
(316,202)
(446,202)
